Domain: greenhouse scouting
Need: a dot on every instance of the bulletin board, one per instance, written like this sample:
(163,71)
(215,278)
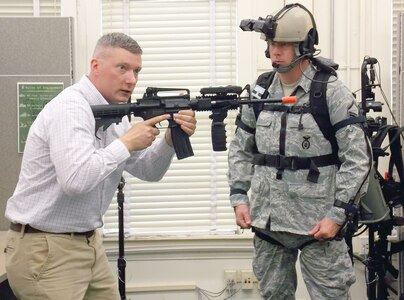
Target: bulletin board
(31,98)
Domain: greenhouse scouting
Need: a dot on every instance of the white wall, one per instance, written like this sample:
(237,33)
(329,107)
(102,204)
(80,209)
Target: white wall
(87,30)
(174,269)
(348,30)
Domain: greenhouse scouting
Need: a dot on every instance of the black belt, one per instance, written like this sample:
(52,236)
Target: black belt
(294,162)
(29,229)
(270,240)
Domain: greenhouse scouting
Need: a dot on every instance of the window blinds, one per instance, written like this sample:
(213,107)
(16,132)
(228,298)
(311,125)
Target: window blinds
(186,44)
(29,8)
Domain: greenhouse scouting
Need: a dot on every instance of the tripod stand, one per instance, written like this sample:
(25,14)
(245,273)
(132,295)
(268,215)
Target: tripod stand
(384,193)
(121,257)
(381,250)
(379,260)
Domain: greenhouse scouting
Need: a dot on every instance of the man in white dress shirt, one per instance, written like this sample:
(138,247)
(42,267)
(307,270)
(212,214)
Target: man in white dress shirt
(69,175)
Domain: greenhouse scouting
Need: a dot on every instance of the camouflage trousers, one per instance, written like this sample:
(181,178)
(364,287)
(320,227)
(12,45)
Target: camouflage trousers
(326,267)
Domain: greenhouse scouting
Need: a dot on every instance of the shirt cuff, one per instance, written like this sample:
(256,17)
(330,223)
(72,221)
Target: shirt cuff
(239,199)
(337,214)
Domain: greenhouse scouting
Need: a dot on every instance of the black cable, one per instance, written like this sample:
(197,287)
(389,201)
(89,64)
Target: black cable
(312,79)
(359,233)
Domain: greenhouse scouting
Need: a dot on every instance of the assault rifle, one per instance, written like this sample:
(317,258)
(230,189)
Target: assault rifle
(218,100)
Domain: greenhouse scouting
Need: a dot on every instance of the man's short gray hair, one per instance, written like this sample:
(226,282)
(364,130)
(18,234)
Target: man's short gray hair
(118,40)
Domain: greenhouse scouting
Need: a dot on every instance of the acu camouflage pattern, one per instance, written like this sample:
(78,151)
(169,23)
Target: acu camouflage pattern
(294,204)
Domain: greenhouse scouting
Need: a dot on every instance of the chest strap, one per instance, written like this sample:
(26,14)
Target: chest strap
(297,163)
(296,109)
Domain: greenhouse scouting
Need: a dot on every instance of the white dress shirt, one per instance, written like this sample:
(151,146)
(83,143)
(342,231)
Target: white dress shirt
(69,174)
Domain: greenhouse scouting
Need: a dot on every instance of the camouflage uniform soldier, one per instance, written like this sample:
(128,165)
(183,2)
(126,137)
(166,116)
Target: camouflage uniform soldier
(300,193)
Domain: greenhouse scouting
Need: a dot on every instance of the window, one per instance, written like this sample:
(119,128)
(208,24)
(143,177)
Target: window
(29,8)
(186,44)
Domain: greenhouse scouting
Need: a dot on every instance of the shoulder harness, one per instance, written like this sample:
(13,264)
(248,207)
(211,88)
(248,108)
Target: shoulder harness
(319,109)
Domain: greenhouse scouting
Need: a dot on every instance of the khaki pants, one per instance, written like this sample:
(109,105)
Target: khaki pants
(45,266)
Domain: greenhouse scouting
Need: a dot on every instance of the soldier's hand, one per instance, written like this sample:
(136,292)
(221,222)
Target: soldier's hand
(142,134)
(243,217)
(325,230)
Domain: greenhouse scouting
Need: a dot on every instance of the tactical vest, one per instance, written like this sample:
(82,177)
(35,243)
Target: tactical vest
(318,108)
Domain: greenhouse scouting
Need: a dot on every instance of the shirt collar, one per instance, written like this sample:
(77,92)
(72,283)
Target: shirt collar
(303,82)
(93,96)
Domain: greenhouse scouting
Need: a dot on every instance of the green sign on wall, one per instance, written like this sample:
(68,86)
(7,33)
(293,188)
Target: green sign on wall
(32,97)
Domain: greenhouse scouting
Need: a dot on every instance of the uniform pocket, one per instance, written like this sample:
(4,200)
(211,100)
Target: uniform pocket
(264,132)
(307,190)
(264,122)
(311,198)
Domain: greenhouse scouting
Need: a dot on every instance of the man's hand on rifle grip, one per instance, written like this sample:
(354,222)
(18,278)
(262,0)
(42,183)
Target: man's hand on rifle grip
(186,120)
(142,134)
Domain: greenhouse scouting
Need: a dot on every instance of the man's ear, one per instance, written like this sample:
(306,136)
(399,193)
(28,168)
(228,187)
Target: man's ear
(94,65)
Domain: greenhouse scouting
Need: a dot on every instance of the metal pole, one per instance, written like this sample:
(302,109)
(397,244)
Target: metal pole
(121,258)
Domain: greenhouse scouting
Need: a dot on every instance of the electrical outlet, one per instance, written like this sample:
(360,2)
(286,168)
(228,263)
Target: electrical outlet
(230,276)
(231,280)
(247,279)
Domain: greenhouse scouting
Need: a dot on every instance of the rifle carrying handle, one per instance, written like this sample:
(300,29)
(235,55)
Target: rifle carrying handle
(180,139)
(218,133)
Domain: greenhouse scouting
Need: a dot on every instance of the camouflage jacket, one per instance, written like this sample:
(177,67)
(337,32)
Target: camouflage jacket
(292,203)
